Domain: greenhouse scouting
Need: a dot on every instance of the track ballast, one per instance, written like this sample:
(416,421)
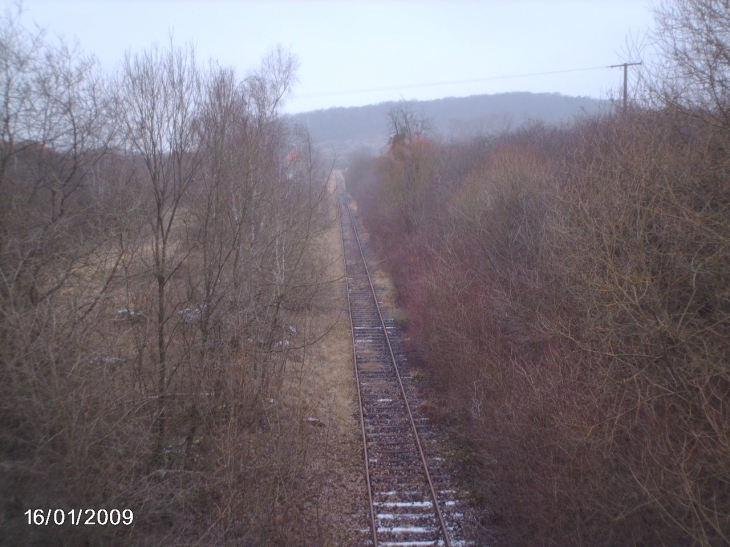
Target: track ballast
(412,502)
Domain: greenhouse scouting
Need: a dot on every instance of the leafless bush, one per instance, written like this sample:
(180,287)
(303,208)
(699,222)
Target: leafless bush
(651,291)
(569,301)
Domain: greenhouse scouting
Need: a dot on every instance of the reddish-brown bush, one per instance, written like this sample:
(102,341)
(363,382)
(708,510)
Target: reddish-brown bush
(569,300)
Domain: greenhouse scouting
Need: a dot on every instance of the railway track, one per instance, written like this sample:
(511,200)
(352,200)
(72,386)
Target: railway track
(412,501)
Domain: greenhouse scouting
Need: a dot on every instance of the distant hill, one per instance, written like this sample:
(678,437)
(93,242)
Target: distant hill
(347,129)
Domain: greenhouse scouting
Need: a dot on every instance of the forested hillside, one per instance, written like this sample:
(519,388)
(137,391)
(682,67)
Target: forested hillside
(567,293)
(347,129)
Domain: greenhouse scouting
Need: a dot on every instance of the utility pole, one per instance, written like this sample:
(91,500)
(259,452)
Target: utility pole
(626,85)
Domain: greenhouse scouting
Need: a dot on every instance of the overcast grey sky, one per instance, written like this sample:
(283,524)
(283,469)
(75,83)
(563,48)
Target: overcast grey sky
(364,52)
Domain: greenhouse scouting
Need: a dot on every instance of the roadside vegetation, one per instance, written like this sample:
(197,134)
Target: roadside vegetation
(567,291)
(163,277)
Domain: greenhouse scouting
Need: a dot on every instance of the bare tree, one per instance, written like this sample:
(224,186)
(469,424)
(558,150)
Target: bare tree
(59,260)
(19,57)
(159,274)
(160,97)
(268,86)
(405,125)
(693,70)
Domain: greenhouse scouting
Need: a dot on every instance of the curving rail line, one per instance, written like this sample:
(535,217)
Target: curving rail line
(404,505)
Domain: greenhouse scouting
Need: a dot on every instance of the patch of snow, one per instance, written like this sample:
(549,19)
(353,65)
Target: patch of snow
(406,543)
(404,503)
(408,529)
(391,516)
(190,315)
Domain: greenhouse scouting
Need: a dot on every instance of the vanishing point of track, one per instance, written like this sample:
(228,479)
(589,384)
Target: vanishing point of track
(405,500)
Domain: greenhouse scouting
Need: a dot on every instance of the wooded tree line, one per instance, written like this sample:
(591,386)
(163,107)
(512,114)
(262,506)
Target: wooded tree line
(567,292)
(159,280)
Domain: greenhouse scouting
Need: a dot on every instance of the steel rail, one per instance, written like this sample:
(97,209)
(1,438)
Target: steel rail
(357,382)
(403,392)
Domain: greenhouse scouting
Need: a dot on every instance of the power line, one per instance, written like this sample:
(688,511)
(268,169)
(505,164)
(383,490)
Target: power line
(433,84)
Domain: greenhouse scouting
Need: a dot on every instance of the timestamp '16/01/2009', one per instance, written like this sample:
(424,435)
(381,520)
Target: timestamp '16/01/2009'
(79,517)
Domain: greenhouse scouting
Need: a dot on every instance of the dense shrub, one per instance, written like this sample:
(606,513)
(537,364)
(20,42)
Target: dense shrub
(567,291)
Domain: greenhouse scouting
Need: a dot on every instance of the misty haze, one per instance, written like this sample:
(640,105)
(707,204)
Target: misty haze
(365,273)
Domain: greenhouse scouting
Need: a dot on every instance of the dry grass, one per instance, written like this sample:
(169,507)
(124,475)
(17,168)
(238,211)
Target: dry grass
(323,384)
